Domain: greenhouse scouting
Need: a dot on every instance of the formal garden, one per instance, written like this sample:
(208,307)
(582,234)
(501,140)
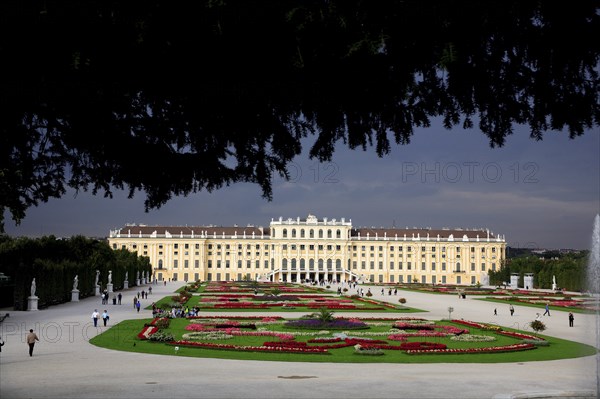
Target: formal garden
(252,296)
(570,302)
(185,324)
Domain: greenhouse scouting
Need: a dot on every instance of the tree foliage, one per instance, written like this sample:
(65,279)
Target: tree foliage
(171,98)
(570,271)
(54,263)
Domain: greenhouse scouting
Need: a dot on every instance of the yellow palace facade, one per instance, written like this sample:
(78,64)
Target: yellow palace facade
(296,250)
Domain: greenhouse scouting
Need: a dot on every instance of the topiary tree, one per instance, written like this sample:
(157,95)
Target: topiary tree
(537,326)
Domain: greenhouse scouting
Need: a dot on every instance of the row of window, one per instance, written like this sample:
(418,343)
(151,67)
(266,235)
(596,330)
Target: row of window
(311,247)
(401,278)
(409,265)
(311,233)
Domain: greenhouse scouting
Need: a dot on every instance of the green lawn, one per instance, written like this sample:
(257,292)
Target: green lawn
(124,337)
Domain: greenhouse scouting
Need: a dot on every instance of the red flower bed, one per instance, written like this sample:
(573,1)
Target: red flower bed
(519,335)
(421,346)
(408,326)
(206,345)
(147,332)
(150,328)
(492,349)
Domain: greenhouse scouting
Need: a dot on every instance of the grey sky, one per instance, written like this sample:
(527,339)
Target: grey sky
(539,194)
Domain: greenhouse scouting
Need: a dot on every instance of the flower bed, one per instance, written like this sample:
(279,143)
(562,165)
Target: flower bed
(492,349)
(206,345)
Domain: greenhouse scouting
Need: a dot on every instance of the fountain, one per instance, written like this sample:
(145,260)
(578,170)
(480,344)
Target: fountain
(593,277)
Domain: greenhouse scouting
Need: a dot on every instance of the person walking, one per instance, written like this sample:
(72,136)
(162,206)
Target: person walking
(105,317)
(134,302)
(571,319)
(31,338)
(512,310)
(137,306)
(495,312)
(95,315)
(547,312)
(119,297)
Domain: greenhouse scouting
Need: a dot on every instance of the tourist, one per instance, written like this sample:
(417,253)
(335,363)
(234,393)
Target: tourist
(547,312)
(138,305)
(134,302)
(119,297)
(105,317)
(395,291)
(512,310)
(571,319)
(95,315)
(31,338)
(495,312)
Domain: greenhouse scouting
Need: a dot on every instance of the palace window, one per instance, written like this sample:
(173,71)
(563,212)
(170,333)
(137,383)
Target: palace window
(293,233)
(328,233)
(338,234)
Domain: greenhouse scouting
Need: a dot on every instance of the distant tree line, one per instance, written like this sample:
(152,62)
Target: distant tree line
(569,270)
(55,262)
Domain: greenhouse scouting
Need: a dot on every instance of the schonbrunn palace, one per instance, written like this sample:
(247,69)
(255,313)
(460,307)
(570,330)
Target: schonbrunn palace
(296,250)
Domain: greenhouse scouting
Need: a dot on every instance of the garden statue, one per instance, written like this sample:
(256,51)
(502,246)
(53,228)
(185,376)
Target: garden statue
(110,277)
(97,277)
(126,274)
(554,286)
(33,287)
(75,282)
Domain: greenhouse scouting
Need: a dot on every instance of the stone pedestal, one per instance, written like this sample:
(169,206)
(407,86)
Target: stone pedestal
(554,287)
(137,281)
(75,296)
(109,288)
(32,303)
(97,290)
(125,284)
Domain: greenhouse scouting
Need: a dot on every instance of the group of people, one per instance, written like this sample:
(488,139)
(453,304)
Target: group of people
(389,291)
(115,298)
(96,315)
